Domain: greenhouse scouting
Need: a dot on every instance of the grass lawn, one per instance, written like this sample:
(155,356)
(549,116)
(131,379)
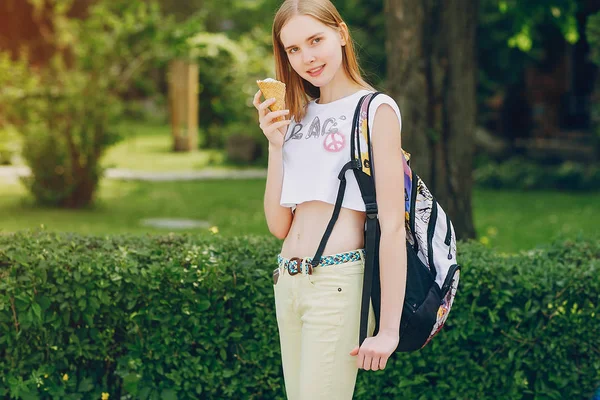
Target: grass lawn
(514,220)
(148,147)
(508,221)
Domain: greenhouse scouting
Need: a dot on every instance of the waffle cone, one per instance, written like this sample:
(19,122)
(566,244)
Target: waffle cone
(273,88)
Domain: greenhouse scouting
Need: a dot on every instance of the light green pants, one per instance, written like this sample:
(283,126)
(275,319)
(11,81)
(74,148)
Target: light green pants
(318,317)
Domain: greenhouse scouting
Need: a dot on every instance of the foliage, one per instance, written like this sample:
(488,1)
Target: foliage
(66,111)
(193,317)
(230,59)
(9,144)
(515,34)
(593,37)
(519,173)
(527,16)
(152,317)
(228,73)
(511,35)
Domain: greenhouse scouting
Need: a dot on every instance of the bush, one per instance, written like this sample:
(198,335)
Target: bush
(66,110)
(183,316)
(9,145)
(518,173)
(229,70)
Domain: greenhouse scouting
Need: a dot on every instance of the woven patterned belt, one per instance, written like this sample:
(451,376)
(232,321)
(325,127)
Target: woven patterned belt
(294,264)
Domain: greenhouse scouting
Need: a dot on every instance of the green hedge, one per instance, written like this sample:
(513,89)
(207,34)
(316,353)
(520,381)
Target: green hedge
(180,317)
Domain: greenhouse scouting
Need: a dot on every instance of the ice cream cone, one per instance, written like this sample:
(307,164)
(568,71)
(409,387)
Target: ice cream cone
(273,88)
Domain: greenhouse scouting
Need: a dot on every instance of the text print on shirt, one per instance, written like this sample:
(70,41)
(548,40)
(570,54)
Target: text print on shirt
(333,140)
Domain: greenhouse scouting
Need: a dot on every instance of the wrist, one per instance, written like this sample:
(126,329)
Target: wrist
(274,149)
(389,332)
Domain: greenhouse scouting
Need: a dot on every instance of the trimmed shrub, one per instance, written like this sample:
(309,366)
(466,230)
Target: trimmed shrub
(182,316)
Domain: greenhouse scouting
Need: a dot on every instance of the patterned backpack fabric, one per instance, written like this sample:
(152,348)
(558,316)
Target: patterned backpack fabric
(432,270)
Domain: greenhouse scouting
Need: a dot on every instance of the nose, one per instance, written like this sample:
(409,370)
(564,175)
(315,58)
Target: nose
(308,57)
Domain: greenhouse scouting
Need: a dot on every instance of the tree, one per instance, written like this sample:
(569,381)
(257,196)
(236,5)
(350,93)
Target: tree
(66,110)
(432,75)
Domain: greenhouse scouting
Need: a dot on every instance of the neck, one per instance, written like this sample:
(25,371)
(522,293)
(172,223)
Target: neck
(340,86)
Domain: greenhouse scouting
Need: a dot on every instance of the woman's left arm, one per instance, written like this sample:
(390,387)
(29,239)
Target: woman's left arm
(389,185)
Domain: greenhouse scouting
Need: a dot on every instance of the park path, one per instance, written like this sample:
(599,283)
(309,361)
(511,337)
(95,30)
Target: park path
(11,173)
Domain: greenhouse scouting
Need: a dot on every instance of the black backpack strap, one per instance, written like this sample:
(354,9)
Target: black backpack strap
(371,243)
(336,211)
(352,164)
(366,184)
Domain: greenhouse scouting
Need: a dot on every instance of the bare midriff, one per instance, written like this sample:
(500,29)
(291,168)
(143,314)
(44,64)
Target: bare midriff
(309,224)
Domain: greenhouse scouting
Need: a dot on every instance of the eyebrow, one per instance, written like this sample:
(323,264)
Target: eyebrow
(308,39)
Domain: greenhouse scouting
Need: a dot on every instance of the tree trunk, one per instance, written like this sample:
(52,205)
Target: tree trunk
(431,73)
(183,104)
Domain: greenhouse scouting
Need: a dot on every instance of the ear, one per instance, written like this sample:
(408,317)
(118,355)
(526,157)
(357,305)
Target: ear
(343,31)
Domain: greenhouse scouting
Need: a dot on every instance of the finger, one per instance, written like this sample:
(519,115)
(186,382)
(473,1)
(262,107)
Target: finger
(367,363)
(276,125)
(256,100)
(360,359)
(266,104)
(354,351)
(276,114)
(263,108)
(382,363)
(375,364)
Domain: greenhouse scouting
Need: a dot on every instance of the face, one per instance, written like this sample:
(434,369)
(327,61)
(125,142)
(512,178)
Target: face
(309,44)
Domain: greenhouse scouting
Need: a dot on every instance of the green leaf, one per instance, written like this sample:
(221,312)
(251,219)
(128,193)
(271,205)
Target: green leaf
(236,335)
(37,311)
(85,385)
(130,383)
(203,305)
(168,394)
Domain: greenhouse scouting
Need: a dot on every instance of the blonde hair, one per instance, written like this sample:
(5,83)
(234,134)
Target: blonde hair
(298,90)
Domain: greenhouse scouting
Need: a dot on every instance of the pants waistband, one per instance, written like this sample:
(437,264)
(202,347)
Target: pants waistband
(294,264)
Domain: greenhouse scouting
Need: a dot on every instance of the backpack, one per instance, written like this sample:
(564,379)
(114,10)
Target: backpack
(432,270)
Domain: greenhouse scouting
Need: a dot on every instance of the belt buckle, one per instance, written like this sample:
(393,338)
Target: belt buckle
(298,265)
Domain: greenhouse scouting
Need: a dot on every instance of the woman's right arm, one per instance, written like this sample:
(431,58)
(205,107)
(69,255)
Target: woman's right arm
(279,219)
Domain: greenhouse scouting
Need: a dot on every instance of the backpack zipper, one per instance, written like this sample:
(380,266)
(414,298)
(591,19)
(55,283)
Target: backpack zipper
(413,200)
(449,279)
(448,239)
(430,233)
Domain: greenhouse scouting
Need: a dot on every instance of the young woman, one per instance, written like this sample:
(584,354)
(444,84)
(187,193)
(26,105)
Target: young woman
(318,310)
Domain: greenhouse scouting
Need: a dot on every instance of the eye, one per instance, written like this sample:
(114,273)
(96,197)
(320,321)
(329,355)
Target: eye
(291,51)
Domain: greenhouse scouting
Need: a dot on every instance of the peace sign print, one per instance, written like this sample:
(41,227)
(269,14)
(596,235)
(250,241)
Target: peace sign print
(334,142)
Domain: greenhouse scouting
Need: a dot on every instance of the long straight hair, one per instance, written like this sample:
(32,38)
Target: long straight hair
(298,90)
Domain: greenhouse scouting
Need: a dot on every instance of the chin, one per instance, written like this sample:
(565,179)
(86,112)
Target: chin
(319,82)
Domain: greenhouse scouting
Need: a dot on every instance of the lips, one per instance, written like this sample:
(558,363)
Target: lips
(316,71)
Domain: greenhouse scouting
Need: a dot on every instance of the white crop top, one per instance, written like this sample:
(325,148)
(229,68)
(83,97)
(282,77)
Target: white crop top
(316,149)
